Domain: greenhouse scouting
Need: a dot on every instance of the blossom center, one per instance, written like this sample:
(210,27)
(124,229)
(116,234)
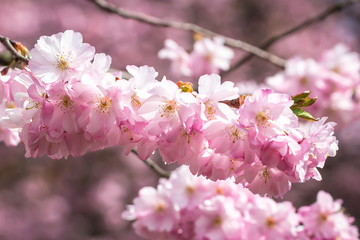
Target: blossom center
(235,134)
(210,109)
(265,174)
(65,103)
(190,190)
(125,129)
(270,222)
(160,207)
(263,119)
(63,63)
(104,104)
(233,161)
(135,102)
(169,109)
(209,57)
(323,217)
(10,105)
(188,135)
(219,190)
(304,81)
(217,221)
(32,104)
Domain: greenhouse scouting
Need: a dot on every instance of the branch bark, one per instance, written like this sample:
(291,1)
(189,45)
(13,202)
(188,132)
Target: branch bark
(310,21)
(189,27)
(161,172)
(9,44)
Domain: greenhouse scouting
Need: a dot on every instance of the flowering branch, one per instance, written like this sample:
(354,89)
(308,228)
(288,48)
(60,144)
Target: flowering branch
(308,22)
(9,44)
(194,128)
(192,28)
(161,172)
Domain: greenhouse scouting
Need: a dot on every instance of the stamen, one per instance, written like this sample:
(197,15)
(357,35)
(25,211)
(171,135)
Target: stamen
(104,104)
(188,135)
(124,130)
(10,105)
(235,134)
(32,104)
(263,119)
(169,109)
(65,103)
(210,109)
(63,62)
(135,102)
(265,175)
(233,160)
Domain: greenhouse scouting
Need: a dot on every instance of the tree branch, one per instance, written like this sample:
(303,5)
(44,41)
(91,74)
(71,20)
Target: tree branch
(189,27)
(310,21)
(161,172)
(9,44)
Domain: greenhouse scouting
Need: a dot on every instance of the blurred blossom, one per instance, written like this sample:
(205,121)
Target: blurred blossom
(207,56)
(334,79)
(232,212)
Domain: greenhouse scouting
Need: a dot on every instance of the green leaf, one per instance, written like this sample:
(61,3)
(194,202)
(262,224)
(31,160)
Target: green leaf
(303,100)
(302,95)
(303,114)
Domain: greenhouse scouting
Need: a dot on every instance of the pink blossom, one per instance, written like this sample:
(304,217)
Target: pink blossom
(225,210)
(264,181)
(211,92)
(154,210)
(299,75)
(267,114)
(210,56)
(340,60)
(187,190)
(319,143)
(271,220)
(325,219)
(218,219)
(60,56)
(178,56)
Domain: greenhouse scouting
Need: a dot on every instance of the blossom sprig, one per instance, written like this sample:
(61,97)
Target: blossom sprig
(190,207)
(67,103)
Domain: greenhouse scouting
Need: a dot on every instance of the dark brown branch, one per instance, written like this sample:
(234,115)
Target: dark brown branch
(9,44)
(161,172)
(189,27)
(310,21)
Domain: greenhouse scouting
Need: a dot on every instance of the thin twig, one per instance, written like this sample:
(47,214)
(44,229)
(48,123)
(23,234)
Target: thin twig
(310,21)
(161,172)
(189,27)
(9,44)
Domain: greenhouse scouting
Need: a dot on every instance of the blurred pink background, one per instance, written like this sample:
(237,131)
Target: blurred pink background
(83,198)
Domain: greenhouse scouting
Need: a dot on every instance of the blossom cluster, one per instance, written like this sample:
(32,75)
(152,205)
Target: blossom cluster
(208,56)
(67,103)
(190,207)
(334,78)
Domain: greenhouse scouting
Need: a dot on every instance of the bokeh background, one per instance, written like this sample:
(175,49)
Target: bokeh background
(82,198)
